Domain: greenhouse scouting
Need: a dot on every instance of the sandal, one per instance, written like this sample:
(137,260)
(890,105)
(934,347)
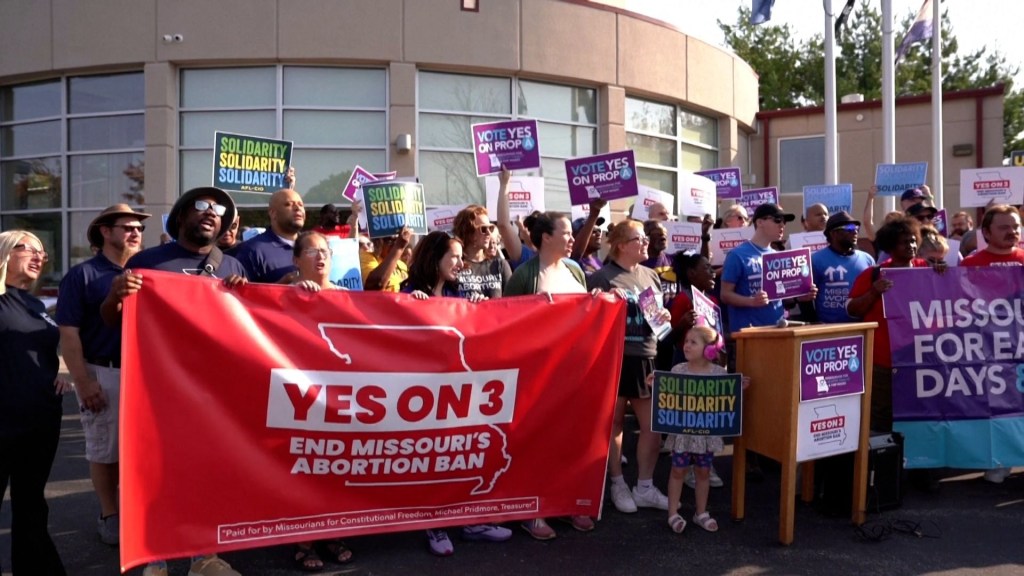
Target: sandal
(677,524)
(307,560)
(338,551)
(706,522)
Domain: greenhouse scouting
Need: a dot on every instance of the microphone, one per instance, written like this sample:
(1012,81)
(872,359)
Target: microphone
(783,323)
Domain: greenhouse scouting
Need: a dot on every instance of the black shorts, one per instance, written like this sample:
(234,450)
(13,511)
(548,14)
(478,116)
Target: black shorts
(633,377)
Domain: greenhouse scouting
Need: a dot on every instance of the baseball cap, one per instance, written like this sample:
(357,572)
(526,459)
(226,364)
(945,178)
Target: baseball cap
(771,211)
(913,194)
(841,218)
(578,223)
(921,210)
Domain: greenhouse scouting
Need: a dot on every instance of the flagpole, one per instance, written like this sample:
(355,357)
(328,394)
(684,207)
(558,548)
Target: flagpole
(888,95)
(831,152)
(937,104)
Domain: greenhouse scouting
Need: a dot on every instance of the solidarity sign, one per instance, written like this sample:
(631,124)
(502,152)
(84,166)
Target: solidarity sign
(343,413)
(249,163)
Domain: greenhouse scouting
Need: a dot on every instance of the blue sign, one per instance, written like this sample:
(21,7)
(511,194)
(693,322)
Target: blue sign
(835,197)
(894,179)
(345,270)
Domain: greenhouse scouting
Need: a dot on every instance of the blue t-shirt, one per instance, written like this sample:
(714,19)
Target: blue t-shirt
(266,257)
(173,257)
(82,291)
(523,258)
(834,274)
(743,269)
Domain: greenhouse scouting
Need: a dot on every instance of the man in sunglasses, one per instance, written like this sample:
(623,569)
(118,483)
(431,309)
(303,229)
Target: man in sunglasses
(92,350)
(197,220)
(267,258)
(836,266)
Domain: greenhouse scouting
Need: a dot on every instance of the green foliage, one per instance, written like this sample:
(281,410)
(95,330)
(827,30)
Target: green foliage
(792,73)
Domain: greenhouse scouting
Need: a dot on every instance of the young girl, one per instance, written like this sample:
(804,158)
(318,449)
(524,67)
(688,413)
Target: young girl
(700,343)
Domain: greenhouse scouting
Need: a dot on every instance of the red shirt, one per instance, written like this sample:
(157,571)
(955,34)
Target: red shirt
(681,305)
(341,230)
(986,258)
(861,286)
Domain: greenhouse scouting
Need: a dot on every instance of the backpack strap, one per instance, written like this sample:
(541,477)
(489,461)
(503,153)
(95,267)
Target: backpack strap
(213,260)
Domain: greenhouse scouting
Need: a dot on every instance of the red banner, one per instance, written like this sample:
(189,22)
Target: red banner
(266,414)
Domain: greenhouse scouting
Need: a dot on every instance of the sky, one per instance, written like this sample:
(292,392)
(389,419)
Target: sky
(994,24)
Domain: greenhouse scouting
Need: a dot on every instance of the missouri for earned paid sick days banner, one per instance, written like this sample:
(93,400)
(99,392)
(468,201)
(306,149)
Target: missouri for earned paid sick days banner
(266,414)
(249,163)
(957,342)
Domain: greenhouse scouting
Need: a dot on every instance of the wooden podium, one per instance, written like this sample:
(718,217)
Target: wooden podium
(771,358)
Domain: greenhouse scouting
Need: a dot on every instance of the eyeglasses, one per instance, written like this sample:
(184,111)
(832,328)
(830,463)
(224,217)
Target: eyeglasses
(640,239)
(203,206)
(848,228)
(314,252)
(129,229)
(33,250)
(489,229)
(776,219)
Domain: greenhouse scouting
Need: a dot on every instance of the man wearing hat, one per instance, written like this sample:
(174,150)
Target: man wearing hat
(92,350)
(922,213)
(836,266)
(918,195)
(586,234)
(197,220)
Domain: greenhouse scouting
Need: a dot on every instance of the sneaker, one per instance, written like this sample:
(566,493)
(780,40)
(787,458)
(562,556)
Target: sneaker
(486,532)
(539,529)
(716,480)
(622,499)
(582,523)
(997,475)
(690,480)
(155,569)
(650,498)
(109,529)
(211,566)
(439,543)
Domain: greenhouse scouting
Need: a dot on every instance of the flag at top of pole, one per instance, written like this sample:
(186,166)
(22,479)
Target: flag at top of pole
(920,30)
(761,11)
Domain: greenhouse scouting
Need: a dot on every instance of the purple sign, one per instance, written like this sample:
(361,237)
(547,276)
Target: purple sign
(707,310)
(358,177)
(512,143)
(786,274)
(751,199)
(940,222)
(605,176)
(831,367)
(727,181)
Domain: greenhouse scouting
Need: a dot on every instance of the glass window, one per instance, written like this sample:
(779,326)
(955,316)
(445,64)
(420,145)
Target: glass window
(801,163)
(667,139)
(450,178)
(197,128)
(107,132)
(447,131)
(78,243)
(99,180)
(651,117)
(31,184)
(566,141)
(47,226)
(697,128)
(652,150)
(114,93)
(325,172)
(555,102)
(460,93)
(657,179)
(335,128)
(30,139)
(28,101)
(334,87)
(695,158)
(229,88)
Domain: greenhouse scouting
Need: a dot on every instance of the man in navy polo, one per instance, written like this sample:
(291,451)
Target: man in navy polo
(92,350)
(267,258)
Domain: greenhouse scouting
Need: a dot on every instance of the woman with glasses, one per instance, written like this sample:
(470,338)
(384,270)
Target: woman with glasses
(624,274)
(735,217)
(480,274)
(30,402)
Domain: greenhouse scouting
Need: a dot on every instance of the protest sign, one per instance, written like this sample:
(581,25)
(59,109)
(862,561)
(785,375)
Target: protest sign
(939,221)
(831,367)
(512,143)
(250,163)
(786,274)
(957,342)
(648,197)
(895,179)
(751,199)
(813,241)
(358,177)
(651,306)
(605,176)
(1001,184)
(723,240)
(836,197)
(697,404)
(525,196)
(727,182)
(442,218)
(391,206)
(827,427)
(345,269)
(584,210)
(361,413)
(697,196)
(682,236)
(707,310)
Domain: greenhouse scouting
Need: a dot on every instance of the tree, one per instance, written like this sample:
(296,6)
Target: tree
(793,74)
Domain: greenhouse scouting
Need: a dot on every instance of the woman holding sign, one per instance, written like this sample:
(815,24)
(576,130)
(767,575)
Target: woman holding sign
(627,277)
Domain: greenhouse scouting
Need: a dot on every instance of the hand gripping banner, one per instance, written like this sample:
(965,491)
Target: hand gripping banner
(267,414)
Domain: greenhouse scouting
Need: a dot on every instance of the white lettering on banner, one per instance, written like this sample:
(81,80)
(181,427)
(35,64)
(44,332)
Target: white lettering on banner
(389,401)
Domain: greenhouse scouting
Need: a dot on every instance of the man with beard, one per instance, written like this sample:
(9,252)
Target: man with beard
(196,220)
(92,350)
(267,258)
(836,266)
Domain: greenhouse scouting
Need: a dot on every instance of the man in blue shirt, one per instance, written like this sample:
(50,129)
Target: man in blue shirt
(92,350)
(836,266)
(267,258)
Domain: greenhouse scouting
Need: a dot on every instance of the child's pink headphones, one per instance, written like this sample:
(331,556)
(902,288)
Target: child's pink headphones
(712,350)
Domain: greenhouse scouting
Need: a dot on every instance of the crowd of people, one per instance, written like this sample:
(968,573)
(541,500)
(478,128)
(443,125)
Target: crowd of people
(481,259)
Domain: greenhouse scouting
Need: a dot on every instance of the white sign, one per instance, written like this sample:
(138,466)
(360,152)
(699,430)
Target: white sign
(1003,184)
(647,198)
(697,196)
(813,240)
(723,240)
(583,210)
(442,218)
(525,196)
(682,236)
(827,427)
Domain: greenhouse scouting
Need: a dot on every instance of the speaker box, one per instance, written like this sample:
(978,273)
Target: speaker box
(833,486)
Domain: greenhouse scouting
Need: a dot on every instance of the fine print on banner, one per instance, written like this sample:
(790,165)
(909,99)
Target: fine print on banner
(697,404)
(390,206)
(249,163)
